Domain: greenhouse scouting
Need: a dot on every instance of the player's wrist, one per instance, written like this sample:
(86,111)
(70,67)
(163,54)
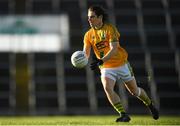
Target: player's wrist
(100,61)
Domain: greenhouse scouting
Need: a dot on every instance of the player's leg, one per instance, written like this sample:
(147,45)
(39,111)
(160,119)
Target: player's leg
(127,76)
(114,99)
(137,91)
(142,95)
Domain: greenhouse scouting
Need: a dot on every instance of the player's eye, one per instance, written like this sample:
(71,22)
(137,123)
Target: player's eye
(91,17)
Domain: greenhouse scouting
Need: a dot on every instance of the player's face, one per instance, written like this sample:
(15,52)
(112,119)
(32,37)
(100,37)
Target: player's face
(93,19)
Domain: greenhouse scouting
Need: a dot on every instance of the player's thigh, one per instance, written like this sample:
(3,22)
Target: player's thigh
(108,83)
(131,85)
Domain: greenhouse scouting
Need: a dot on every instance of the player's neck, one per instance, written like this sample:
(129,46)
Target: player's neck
(99,26)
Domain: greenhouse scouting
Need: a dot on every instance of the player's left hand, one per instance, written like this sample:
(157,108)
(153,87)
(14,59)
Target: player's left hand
(95,64)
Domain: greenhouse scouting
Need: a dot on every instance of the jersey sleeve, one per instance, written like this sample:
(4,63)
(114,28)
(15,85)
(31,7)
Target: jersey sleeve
(87,39)
(114,35)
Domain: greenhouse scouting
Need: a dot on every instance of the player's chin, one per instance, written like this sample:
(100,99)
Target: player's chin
(91,25)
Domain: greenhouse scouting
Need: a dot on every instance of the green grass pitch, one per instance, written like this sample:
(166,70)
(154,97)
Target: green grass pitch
(86,120)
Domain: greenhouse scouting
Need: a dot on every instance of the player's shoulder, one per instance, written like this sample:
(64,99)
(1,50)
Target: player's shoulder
(109,25)
(89,31)
(112,27)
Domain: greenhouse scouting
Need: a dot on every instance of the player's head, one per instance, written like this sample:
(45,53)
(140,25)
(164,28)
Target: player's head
(96,16)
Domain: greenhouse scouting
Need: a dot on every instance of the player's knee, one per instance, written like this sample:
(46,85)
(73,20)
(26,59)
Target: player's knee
(136,92)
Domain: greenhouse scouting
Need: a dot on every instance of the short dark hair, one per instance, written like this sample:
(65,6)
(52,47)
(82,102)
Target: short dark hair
(98,10)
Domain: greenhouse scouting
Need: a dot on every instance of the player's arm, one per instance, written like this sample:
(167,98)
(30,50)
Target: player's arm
(87,50)
(112,51)
(114,43)
(87,45)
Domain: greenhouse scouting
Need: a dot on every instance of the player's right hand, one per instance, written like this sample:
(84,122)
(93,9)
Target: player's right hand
(94,65)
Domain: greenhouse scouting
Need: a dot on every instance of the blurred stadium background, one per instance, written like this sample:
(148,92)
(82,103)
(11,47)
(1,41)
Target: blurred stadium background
(37,38)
